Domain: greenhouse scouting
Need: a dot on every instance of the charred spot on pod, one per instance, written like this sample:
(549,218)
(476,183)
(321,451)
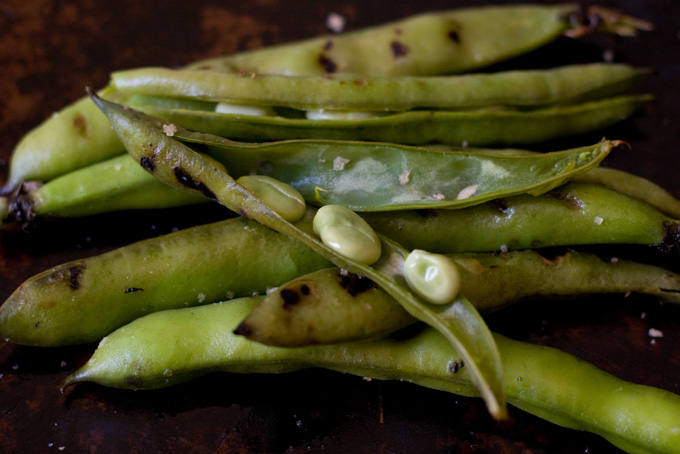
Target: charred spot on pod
(304,289)
(454,367)
(454,32)
(148,163)
(328,45)
(454,36)
(359,82)
(133,290)
(80,125)
(74,273)
(243,330)
(185,180)
(327,64)
(290,297)
(500,205)
(354,285)
(398,49)
(567,197)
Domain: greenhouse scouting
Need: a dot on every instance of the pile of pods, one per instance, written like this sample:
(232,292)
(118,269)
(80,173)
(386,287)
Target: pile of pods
(386,140)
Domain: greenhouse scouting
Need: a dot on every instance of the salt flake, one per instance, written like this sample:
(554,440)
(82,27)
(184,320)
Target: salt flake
(169,130)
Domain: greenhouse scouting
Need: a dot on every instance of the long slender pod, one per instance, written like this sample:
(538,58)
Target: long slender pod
(442,42)
(587,214)
(119,184)
(115,184)
(334,306)
(525,89)
(82,301)
(385,177)
(478,127)
(171,347)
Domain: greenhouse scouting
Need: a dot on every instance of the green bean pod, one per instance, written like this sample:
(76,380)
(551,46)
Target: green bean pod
(479,127)
(177,165)
(444,42)
(171,347)
(526,89)
(75,137)
(587,214)
(84,300)
(634,186)
(91,190)
(366,176)
(331,305)
(116,184)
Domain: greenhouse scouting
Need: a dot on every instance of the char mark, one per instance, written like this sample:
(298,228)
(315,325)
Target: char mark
(147,163)
(398,49)
(290,297)
(185,180)
(355,285)
(74,273)
(328,64)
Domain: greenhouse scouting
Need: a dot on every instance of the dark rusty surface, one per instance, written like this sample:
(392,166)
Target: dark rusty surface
(50,50)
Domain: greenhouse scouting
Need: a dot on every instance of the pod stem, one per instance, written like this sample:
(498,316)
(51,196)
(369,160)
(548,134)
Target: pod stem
(599,19)
(671,240)
(17,207)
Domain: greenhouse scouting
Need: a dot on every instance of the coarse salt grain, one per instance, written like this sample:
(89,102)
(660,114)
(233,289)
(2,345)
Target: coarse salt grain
(335,22)
(598,220)
(655,333)
(438,196)
(169,130)
(404,178)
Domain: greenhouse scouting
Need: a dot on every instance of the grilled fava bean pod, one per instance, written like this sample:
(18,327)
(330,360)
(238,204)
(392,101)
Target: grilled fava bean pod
(524,89)
(171,347)
(330,305)
(366,176)
(444,42)
(177,165)
(75,137)
(119,184)
(84,300)
(115,184)
(478,127)
(587,213)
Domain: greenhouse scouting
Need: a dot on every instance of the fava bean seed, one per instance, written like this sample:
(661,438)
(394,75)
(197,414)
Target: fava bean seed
(433,276)
(278,196)
(345,232)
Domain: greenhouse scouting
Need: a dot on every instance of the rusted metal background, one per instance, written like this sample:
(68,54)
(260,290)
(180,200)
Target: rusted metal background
(50,50)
